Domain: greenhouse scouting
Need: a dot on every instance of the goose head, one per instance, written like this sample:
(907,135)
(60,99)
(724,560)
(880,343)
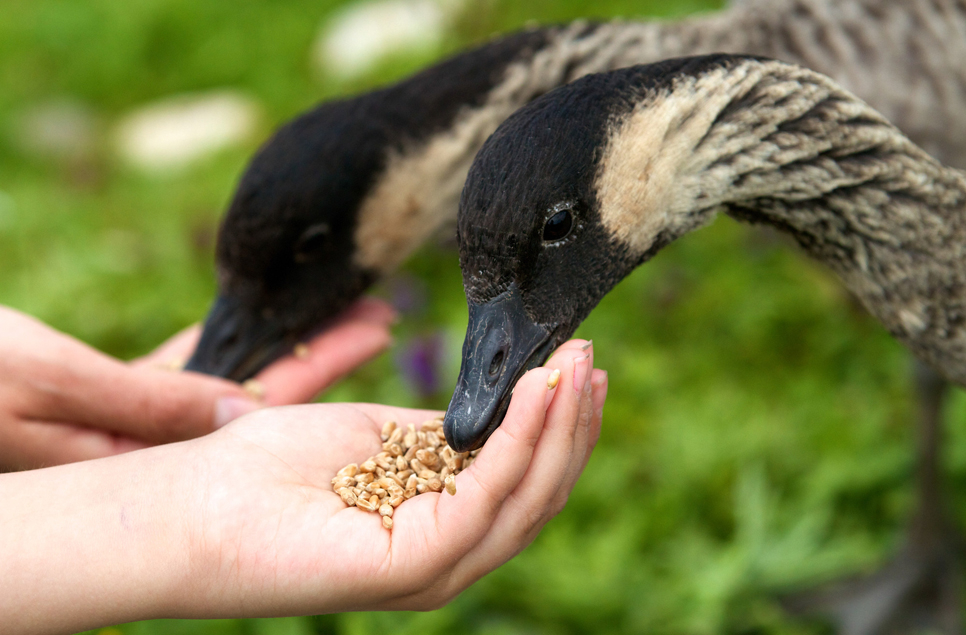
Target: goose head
(573,192)
(285,247)
(340,197)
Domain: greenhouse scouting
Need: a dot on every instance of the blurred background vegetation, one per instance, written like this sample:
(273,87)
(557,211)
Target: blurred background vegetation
(759,431)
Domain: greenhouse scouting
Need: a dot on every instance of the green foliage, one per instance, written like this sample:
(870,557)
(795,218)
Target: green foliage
(757,436)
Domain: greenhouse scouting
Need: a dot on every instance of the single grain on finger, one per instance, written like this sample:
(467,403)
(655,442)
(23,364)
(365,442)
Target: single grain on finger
(554,379)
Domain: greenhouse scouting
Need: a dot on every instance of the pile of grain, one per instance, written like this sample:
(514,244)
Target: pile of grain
(411,462)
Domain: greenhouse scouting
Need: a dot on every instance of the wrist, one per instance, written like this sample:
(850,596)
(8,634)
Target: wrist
(92,544)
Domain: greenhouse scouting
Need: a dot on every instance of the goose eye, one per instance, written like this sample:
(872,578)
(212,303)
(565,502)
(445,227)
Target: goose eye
(312,243)
(558,226)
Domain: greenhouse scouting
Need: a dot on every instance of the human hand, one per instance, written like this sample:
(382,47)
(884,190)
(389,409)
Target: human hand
(244,522)
(62,401)
(268,535)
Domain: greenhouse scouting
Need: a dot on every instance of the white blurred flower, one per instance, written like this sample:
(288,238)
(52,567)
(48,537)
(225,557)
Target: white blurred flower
(363,34)
(178,131)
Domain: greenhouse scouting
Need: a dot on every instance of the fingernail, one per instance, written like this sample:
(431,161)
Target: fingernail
(587,345)
(601,379)
(227,409)
(580,373)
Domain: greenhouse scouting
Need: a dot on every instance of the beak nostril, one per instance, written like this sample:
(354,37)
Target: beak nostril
(496,364)
(228,342)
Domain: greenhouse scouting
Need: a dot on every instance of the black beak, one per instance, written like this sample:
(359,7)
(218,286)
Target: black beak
(501,344)
(238,341)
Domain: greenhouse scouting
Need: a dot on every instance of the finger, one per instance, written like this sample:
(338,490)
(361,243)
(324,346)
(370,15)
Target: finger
(495,473)
(578,449)
(360,334)
(563,405)
(581,434)
(600,384)
(583,388)
(592,408)
(569,345)
(58,378)
(563,444)
(582,449)
(173,354)
(497,478)
(370,309)
(92,390)
(530,505)
(35,444)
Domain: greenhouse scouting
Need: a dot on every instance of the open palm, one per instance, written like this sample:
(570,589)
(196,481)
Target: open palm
(264,514)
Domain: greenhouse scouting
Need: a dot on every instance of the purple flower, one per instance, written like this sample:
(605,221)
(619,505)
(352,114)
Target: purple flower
(419,361)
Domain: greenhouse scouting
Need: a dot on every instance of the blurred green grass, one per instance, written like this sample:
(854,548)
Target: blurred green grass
(758,434)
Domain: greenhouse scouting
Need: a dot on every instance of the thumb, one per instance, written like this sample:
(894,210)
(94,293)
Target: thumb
(145,403)
(59,379)
(163,406)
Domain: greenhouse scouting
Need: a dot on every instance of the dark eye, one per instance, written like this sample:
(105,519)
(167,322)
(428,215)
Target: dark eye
(558,226)
(312,243)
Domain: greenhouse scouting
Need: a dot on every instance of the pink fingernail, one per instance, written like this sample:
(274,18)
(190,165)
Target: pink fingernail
(587,345)
(227,409)
(601,378)
(580,373)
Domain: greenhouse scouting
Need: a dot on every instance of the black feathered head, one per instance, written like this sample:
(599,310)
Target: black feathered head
(336,198)
(285,249)
(548,225)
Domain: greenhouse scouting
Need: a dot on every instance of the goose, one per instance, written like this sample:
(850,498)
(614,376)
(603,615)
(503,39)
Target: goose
(343,194)
(340,196)
(589,181)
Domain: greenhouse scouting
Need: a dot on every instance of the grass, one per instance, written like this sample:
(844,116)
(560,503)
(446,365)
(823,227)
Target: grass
(758,434)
